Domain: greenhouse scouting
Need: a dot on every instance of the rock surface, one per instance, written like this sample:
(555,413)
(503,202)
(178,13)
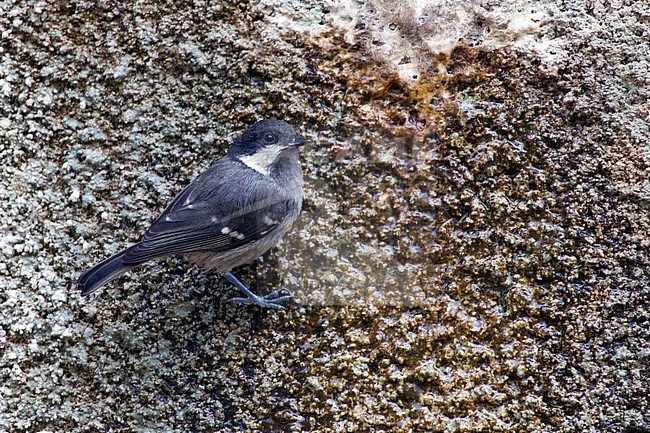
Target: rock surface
(475,245)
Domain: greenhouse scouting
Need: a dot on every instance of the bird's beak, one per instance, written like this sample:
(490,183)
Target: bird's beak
(298,141)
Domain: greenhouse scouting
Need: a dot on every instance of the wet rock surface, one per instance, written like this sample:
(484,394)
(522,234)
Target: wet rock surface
(472,256)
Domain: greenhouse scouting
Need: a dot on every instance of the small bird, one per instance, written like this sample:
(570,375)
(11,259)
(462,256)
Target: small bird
(230,215)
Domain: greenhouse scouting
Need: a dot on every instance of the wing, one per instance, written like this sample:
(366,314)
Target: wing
(215,214)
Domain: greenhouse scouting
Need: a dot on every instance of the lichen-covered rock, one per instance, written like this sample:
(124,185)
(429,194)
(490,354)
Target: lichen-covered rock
(474,250)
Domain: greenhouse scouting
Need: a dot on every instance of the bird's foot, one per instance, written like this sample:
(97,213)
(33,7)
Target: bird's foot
(272,300)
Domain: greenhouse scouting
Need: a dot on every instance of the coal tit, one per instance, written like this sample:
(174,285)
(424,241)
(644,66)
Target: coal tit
(230,215)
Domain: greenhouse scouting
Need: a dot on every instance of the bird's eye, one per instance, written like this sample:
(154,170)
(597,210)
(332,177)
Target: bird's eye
(270,138)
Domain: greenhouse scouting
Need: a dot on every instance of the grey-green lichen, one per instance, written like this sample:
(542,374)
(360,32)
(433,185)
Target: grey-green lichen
(473,253)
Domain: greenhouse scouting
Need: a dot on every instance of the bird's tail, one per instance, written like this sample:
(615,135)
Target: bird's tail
(104,272)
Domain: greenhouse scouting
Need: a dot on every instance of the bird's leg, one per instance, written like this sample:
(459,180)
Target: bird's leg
(269,301)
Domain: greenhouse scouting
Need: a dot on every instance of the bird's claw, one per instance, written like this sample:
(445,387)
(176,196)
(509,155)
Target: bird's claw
(272,300)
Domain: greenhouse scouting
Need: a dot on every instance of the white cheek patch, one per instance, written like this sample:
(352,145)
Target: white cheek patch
(262,160)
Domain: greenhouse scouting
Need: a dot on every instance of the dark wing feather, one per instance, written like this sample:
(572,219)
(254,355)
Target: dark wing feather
(197,221)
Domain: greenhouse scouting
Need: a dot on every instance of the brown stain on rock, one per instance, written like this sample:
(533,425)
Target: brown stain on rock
(476,194)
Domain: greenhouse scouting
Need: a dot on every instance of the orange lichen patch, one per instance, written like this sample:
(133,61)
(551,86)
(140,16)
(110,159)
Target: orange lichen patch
(374,97)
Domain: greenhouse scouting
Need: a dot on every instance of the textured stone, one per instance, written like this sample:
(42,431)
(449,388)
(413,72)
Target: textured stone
(474,250)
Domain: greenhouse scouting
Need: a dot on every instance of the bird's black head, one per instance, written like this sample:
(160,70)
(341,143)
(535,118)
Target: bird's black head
(266,135)
(269,147)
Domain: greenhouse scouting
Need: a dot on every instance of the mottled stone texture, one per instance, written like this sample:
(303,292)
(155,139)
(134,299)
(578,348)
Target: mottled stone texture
(474,250)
